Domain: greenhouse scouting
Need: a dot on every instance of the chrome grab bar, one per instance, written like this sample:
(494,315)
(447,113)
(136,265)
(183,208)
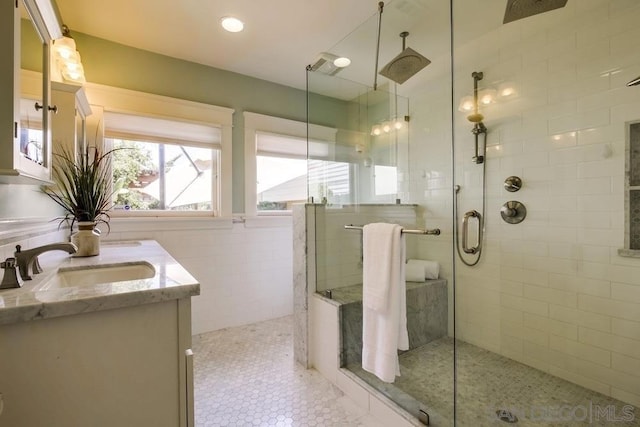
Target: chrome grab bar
(435,231)
(465,232)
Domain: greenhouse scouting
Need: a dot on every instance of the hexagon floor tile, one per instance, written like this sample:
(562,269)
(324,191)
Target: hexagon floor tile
(246,376)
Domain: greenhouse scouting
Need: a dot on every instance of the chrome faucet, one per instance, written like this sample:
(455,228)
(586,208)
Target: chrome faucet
(27,261)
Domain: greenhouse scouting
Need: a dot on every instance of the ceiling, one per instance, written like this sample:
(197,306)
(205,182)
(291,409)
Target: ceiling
(282,37)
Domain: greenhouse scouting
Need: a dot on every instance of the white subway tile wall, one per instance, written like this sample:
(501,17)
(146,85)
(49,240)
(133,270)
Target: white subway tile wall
(245,271)
(551,292)
(339,251)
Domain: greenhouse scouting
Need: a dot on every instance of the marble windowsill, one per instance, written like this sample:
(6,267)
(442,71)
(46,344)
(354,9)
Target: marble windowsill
(39,299)
(629,253)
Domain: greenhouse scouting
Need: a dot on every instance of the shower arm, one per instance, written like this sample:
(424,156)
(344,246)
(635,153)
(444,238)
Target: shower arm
(375,74)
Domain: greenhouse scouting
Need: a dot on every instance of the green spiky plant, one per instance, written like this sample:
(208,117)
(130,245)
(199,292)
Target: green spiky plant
(82,185)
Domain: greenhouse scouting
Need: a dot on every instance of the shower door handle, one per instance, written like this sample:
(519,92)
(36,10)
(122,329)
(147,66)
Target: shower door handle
(465,232)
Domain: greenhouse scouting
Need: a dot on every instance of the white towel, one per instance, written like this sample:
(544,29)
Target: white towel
(384,300)
(424,268)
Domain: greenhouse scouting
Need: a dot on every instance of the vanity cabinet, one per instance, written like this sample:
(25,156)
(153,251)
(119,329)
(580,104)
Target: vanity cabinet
(129,366)
(25,143)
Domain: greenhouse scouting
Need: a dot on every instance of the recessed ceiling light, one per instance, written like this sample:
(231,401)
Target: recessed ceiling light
(342,62)
(231,24)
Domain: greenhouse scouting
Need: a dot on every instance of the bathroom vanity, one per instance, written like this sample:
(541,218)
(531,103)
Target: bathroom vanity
(99,341)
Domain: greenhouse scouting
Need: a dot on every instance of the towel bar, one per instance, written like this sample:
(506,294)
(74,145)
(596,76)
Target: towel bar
(435,231)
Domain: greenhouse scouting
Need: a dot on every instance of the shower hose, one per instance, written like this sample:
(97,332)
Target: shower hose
(477,254)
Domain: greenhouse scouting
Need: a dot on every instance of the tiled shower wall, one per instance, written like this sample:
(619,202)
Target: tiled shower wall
(339,251)
(551,292)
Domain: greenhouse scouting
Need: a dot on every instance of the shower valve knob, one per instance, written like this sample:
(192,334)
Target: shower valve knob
(509,212)
(513,212)
(513,184)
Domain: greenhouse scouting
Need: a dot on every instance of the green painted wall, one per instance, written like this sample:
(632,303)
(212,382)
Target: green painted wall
(118,65)
(122,66)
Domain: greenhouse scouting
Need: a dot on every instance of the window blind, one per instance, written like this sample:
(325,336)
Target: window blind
(154,129)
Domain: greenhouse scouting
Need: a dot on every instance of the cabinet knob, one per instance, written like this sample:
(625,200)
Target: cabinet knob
(39,107)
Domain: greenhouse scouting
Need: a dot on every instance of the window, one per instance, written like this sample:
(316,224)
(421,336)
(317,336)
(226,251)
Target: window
(163,165)
(158,130)
(385,180)
(280,182)
(330,181)
(153,176)
(288,162)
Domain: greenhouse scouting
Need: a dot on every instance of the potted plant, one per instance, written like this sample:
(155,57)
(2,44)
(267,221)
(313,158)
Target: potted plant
(83,189)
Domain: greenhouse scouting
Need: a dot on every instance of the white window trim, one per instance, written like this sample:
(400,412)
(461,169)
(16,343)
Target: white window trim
(121,100)
(254,122)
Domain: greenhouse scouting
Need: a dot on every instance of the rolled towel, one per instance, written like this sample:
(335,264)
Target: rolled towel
(414,272)
(430,269)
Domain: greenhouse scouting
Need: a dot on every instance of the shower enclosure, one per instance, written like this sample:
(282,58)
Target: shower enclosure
(544,329)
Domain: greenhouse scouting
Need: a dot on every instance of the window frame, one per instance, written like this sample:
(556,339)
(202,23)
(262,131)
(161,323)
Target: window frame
(215,181)
(107,98)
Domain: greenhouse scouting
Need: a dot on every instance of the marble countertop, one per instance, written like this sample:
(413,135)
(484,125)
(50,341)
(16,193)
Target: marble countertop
(44,297)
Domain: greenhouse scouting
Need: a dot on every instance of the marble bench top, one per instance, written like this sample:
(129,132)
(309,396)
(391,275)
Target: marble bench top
(37,299)
(353,293)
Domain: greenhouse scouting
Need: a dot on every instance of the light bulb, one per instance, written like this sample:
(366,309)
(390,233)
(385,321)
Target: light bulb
(386,127)
(397,124)
(342,62)
(231,24)
(466,104)
(65,47)
(74,74)
(506,90)
(376,130)
(487,96)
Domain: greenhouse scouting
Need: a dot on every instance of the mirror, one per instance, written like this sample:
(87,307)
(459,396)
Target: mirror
(34,123)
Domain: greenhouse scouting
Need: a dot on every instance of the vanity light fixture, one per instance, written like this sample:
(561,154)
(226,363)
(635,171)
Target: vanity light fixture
(231,24)
(504,92)
(387,126)
(66,60)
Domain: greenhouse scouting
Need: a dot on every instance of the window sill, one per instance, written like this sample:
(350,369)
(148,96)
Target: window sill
(629,253)
(152,223)
(274,213)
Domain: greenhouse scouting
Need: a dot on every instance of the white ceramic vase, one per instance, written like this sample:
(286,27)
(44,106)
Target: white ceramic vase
(87,239)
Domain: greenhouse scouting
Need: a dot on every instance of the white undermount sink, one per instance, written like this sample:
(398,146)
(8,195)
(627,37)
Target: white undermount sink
(103,273)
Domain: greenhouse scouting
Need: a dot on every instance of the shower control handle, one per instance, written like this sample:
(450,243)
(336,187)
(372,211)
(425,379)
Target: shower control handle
(513,212)
(465,232)
(512,184)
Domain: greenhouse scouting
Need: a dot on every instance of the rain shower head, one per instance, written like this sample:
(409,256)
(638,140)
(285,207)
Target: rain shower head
(634,82)
(405,65)
(518,9)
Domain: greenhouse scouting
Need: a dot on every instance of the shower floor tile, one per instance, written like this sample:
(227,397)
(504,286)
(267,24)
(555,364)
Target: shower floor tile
(487,382)
(246,376)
